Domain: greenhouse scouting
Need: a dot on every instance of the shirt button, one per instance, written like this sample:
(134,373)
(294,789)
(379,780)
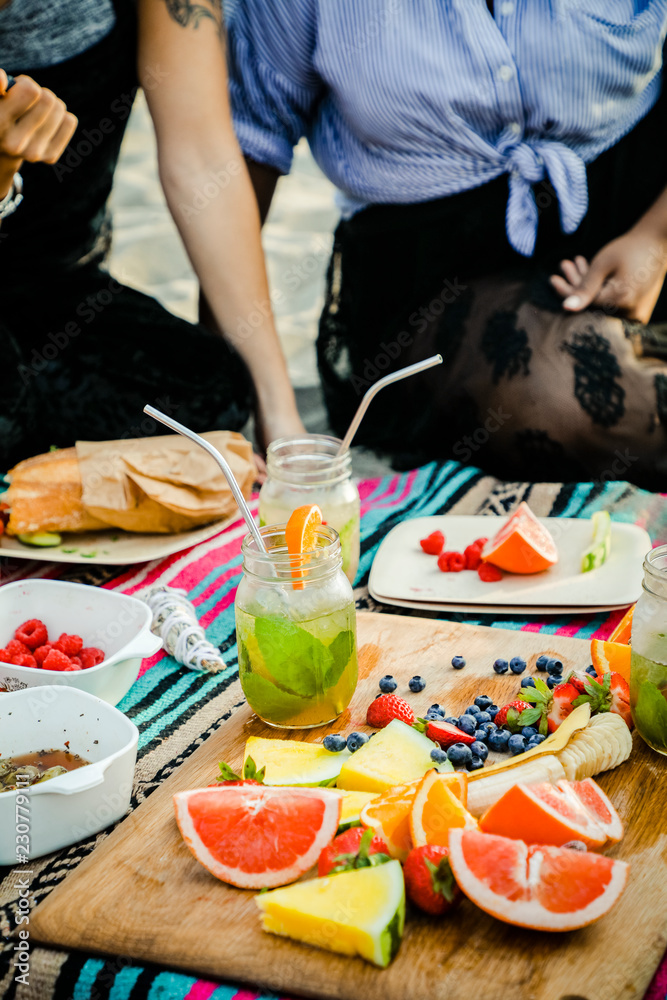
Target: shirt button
(505,73)
(507,8)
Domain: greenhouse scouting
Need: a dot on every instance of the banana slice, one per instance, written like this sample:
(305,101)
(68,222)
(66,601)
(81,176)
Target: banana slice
(594,755)
(569,764)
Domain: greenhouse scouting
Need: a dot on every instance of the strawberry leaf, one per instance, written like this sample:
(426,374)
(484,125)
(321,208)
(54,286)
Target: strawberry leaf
(530,716)
(250,771)
(442,878)
(362,859)
(226,773)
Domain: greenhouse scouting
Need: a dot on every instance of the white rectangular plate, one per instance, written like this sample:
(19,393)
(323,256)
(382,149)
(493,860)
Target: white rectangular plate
(401,572)
(112,548)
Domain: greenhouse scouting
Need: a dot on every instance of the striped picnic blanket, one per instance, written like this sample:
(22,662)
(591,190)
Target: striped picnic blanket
(176,710)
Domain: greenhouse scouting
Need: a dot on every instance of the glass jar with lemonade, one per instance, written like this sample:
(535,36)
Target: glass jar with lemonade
(296,624)
(308,470)
(648,671)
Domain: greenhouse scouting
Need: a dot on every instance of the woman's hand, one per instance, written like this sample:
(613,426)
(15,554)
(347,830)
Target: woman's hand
(35,126)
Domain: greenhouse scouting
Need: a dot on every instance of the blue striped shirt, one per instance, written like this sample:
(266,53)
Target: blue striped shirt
(404,101)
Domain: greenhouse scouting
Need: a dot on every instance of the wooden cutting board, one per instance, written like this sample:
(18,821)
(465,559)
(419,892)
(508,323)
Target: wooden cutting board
(141,894)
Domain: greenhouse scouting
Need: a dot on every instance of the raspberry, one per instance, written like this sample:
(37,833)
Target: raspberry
(489,573)
(16,648)
(42,652)
(480,542)
(90,656)
(443,561)
(5,657)
(472,556)
(56,660)
(23,660)
(457,562)
(70,645)
(433,544)
(33,633)
(78,665)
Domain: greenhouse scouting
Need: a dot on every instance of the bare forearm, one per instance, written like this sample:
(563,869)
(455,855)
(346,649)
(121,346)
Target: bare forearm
(654,222)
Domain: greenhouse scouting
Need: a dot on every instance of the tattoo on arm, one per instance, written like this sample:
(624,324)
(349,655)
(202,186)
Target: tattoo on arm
(187,13)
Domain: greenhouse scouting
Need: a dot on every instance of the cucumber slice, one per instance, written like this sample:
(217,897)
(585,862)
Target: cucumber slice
(42,539)
(598,552)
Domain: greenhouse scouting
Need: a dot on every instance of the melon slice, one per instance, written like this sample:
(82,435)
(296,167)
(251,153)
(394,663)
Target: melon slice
(293,762)
(396,755)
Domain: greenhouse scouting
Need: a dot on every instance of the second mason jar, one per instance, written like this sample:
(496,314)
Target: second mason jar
(648,671)
(308,470)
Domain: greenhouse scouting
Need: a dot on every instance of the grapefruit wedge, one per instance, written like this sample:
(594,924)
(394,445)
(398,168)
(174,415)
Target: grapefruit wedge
(541,887)
(254,836)
(523,544)
(543,814)
(598,805)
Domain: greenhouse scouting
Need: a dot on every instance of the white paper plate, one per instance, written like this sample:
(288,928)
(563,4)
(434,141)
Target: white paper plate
(112,547)
(402,573)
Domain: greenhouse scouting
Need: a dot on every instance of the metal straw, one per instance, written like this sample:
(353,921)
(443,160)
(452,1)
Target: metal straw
(402,373)
(222,462)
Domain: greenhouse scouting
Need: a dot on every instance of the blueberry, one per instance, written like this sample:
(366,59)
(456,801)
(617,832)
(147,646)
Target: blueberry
(541,662)
(516,744)
(387,684)
(481,735)
(486,727)
(483,702)
(416,684)
(475,763)
(535,741)
(355,741)
(472,710)
(482,718)
(479,750)
(437,710)
(492,710)
(553,682)
(459,753)
(554,667)
(458,662)
(438,756)
(501,666)
(498,740)
(517,665)
(452,721)
(335,742)
(592,671)
(527,682)
(467,724)
(529,732)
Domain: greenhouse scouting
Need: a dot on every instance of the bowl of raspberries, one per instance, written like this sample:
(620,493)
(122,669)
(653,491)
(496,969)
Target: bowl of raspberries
(55,632)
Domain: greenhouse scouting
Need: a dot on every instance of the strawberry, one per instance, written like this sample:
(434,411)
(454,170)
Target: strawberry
(578,678)
(549,708)
(443,733)
(565,698)
(387,707)
(433,544)
(429,881)
(251,776)
(509,715)
(609,693)
(356,848)
(489,573)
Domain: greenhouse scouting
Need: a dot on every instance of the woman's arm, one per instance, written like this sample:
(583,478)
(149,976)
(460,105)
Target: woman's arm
(183,70)
(626,275)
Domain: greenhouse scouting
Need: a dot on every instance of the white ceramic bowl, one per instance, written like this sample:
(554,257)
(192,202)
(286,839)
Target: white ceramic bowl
(117,624)
(76,805)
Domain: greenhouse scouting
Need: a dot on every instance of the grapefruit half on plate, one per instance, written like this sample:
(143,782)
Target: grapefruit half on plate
(254,836)
(541,887)
(523,544)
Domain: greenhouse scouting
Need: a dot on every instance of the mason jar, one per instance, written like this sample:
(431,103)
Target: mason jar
(308,470)
(648,671)
(296,630)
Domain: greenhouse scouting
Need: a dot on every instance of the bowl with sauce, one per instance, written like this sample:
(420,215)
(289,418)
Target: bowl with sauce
(67,764)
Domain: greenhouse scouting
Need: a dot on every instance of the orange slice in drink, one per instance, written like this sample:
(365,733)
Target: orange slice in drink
(622,631)
(523,544)
(255,835)
(389,816)
(542,887)
(301,535)
(543,814)
(438,808)
(607,656)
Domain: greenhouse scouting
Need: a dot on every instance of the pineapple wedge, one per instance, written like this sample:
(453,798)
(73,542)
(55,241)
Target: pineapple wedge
(394,756)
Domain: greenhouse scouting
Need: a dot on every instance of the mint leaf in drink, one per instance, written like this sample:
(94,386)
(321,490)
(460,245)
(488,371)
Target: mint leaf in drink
(341,650)
(270,701)
(297,660)
(651,713)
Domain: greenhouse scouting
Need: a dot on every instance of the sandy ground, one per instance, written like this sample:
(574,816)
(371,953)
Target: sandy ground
(148,254)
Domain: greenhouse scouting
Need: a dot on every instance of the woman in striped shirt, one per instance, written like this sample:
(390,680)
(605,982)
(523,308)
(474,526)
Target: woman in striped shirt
(501,168)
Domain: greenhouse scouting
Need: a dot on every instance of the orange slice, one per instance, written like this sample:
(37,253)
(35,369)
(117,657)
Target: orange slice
(389,816)
(607,656)
(523,544)
(301,535)
(622,631)
(438,808)
(543,814)
(255,835)
(542,887)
